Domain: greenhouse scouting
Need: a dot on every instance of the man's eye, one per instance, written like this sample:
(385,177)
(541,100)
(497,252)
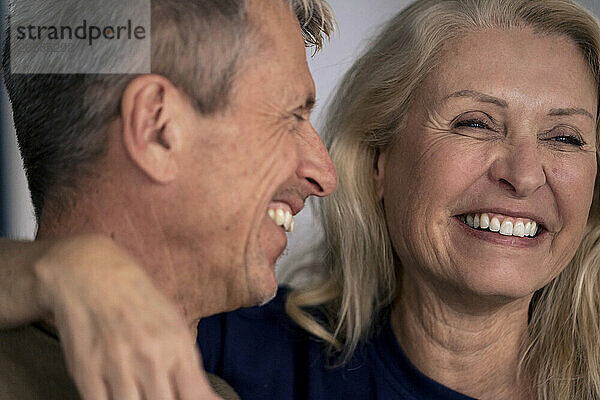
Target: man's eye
(299,117)
(472,123)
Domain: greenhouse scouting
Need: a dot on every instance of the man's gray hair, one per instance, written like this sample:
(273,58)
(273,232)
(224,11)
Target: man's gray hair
(198,45)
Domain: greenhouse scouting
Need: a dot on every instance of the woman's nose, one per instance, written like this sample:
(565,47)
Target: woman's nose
(518,168)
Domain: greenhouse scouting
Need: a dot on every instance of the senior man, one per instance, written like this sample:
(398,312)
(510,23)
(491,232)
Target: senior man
(195,169)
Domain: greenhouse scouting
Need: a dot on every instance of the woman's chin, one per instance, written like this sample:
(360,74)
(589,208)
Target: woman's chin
(503,285)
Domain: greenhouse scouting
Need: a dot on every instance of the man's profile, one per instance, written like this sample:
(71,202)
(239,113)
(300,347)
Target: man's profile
(195,168)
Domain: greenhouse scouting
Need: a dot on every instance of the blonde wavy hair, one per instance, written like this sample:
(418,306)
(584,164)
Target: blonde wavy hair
(357,269)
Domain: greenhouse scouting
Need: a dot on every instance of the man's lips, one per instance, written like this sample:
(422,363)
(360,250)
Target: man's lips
(281,214)
(282,210)
(292,204)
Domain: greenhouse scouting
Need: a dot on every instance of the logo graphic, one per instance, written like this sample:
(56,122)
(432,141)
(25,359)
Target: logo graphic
(80,36)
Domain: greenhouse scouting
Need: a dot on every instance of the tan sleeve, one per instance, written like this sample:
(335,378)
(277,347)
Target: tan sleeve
(222,388)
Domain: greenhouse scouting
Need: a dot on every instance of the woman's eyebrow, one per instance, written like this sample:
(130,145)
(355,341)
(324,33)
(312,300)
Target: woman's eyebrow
(486,98)
(478,96)
(570,111)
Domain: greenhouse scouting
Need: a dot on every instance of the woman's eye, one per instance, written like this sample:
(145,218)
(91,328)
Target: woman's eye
(299,117)
(472,123)
(568,139)
(565,136)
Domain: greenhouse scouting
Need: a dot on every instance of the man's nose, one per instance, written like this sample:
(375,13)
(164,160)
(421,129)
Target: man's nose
(518,168)
(315,166)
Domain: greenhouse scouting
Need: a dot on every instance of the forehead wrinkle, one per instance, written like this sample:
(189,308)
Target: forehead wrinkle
(477,96)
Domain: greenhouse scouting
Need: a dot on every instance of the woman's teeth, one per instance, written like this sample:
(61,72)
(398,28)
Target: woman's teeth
(508,226)
(282,218)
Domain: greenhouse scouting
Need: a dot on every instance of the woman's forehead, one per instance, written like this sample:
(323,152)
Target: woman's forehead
(515,64)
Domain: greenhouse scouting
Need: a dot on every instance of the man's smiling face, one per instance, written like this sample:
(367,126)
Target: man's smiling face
(257,165)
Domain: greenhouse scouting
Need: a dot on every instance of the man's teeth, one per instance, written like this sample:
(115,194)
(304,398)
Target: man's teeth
(282,218)
(508,226)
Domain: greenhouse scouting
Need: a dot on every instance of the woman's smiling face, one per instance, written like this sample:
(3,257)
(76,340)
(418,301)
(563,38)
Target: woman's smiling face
(501,135)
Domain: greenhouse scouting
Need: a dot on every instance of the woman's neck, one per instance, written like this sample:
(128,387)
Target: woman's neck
(475,353)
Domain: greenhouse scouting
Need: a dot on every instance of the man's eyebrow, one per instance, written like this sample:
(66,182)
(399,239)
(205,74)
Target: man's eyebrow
(309,104)
(478,96)
(570,111)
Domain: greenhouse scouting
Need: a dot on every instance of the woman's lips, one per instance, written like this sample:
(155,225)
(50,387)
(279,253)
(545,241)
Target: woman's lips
(501,239)
(503,224)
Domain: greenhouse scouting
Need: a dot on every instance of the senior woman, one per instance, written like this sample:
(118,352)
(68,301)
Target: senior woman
(461,248)
(465,140)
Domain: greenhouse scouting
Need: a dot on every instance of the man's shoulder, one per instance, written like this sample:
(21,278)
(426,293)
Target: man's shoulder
(32,366)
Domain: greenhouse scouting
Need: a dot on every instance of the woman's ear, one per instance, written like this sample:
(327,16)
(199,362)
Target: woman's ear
(147,109)
(379,175)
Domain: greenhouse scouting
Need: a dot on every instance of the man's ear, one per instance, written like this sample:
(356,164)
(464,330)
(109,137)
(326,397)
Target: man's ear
(152,142)
(379,175)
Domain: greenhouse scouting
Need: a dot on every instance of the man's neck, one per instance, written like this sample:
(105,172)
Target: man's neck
(137,229)
(473,353)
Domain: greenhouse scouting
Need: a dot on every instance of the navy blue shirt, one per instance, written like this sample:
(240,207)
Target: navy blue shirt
(263,354)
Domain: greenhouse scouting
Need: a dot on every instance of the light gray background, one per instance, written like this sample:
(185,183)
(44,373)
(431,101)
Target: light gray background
(358,20)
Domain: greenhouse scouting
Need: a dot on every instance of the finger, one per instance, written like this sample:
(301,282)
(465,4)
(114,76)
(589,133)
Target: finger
(91,387)
(190,382)
(123,387)
(154,381)
(157,389)
(86,375)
